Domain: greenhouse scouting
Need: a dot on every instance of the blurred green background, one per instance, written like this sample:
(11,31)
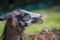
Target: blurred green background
(49,8)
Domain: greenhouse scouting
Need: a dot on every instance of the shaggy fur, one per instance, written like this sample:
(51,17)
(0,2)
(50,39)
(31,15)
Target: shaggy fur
(13,31)
(43,36)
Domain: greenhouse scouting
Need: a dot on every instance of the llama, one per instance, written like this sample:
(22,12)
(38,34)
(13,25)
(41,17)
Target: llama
(16,21)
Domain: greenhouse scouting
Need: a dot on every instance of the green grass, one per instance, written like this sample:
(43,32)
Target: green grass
(2,24)
(52,20)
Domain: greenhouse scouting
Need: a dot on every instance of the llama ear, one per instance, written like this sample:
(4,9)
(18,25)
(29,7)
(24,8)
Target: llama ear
(2,18)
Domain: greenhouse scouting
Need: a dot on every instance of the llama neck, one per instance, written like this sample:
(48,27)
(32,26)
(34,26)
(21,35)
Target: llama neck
(13,32)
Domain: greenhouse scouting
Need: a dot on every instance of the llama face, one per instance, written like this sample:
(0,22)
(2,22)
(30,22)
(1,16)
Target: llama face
(32,17)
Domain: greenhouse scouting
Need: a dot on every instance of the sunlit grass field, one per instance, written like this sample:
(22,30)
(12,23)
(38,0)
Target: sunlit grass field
(51,20)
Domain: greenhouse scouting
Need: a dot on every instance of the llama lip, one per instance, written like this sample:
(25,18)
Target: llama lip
(16,23)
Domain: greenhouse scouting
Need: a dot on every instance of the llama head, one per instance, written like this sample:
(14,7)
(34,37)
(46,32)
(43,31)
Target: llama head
(24,17)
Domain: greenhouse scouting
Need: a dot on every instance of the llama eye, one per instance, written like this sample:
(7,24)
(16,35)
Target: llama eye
(19,17)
